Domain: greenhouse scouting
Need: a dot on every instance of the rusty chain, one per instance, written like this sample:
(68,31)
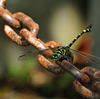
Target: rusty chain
(27,37)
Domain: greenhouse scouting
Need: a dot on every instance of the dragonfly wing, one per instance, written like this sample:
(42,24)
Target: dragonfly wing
(33,54)
(88,57)
(29,55)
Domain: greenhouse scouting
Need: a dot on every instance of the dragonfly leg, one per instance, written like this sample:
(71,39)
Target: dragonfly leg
(69,57)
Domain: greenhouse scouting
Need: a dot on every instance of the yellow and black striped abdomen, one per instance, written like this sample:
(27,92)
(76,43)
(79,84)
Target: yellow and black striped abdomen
(61,52)
(88,29)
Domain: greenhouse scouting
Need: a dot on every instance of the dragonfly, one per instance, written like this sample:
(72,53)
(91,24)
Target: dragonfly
(63,52)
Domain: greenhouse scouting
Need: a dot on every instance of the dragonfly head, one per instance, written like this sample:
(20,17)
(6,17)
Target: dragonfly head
(56,56)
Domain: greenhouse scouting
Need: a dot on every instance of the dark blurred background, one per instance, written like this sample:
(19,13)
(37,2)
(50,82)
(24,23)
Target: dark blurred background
(61,21)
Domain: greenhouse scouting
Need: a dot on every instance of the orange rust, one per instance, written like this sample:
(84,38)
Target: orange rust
(96,86)
(27,21)
(30,36)
(33,40)
(97,74)
(86,93)
(2,3)
(7,16)
(49,66)
(92,69)
(14,36)
(92,72)
(83,91)
(74,71)
(43,63)
(53,44)
(76,84)
(86,78)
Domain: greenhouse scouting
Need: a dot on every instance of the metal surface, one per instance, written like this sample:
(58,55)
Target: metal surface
(30,37)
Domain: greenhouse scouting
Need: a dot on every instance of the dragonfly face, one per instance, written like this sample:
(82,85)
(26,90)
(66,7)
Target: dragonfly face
(56,56)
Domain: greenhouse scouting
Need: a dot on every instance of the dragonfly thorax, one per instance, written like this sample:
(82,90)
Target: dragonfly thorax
(60,53)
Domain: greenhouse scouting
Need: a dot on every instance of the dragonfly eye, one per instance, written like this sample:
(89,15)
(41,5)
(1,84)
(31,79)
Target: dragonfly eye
(56,56)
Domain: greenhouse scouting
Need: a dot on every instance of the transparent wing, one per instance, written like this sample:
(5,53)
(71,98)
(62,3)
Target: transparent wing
(33,54)
(88,57)
(29,55)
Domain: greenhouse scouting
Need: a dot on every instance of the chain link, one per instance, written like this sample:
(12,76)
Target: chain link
(27,37)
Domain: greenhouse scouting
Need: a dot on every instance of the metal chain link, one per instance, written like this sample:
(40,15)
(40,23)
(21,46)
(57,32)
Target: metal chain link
(27,37)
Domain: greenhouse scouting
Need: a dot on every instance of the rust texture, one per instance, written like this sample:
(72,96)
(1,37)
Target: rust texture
(28,37)
(2,3)
(96,86)
(83,91)
(74,71)
(8,17)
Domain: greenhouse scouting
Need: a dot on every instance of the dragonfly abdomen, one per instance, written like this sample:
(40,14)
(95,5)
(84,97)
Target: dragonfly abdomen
(88,29)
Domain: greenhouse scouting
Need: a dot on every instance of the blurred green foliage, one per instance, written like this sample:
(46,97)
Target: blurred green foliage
(21,70)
